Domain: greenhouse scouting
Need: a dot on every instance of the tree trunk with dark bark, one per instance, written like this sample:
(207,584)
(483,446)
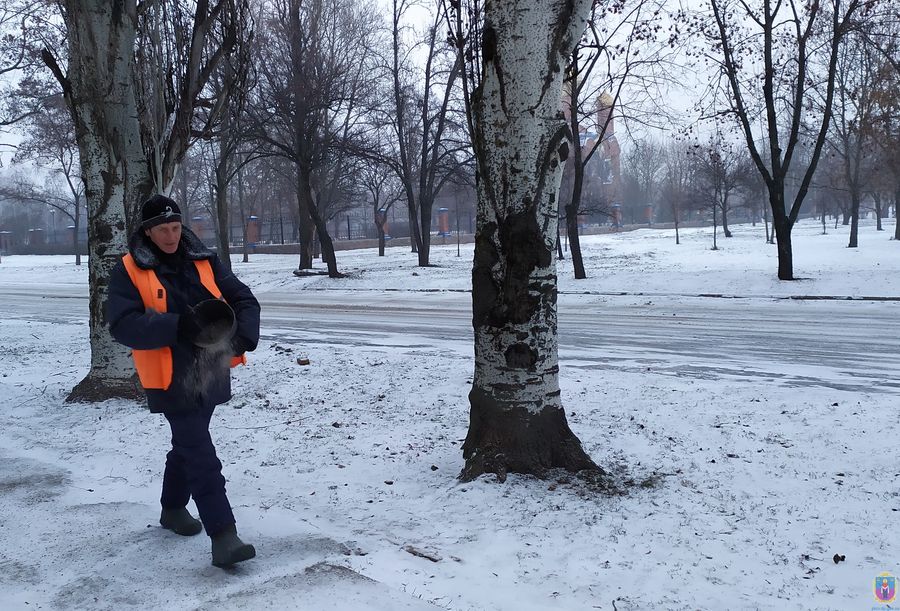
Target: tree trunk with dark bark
(897,213)
(426,205)
(223,236)
(854,219)
(675,216)
(244,219)
(878,211)
(324,238)
(572,209)
(725,228)
(575,244)
(415,236)
(781,228)
(304,225)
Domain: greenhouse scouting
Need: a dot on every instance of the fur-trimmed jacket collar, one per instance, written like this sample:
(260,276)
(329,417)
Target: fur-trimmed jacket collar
(141,248)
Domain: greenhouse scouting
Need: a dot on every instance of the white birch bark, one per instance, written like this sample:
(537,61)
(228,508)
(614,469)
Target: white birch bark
(100,93)
(521,142)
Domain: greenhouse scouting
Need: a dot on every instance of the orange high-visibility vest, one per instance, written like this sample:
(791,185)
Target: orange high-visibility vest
(154,367)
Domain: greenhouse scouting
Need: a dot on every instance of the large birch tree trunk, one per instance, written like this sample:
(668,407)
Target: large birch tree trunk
(521,140)
(100,94)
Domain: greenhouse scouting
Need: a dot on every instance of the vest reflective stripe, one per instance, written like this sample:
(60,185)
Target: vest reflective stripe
(154,367)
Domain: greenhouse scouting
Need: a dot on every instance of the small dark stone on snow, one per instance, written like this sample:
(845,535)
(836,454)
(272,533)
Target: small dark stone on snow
(336,425)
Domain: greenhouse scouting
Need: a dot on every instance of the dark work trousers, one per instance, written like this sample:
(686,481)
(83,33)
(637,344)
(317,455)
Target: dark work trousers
(194,470)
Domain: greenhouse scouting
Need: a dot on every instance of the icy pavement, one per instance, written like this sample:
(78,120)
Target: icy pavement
(63,551)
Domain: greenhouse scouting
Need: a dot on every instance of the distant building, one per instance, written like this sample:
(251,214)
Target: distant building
(602,191)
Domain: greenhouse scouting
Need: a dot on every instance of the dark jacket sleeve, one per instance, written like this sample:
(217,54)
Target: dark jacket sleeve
(129,322)
(245,306)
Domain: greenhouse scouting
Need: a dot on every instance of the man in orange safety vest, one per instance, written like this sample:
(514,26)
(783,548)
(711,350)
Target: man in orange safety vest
(157,297)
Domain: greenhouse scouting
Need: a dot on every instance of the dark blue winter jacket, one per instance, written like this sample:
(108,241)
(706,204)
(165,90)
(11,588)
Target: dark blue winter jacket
(199,378)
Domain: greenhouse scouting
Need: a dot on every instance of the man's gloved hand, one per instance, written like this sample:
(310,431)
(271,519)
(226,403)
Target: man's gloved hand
(188,327)
(238,345)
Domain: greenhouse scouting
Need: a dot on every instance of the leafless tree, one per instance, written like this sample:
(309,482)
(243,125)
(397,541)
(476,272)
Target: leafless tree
(419,133)
(26,26)
(50,143)
(855,112)
(720,172)
(643,168)
(882,33)
(775,57)
(314,72)
(619,55)
(677,183)
(95,72)
(191,61)
(384,191)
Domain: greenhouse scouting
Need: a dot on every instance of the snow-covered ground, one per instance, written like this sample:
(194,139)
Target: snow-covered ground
(344,472)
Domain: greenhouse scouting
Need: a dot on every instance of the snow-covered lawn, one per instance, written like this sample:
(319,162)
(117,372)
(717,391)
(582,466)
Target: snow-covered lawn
(749,488)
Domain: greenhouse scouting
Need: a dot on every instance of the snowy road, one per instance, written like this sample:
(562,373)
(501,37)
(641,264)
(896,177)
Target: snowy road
(836,344)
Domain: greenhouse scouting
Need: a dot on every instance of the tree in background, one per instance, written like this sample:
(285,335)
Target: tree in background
(618,52)
(720,172)
(882,34)
(230,82)
(424,143)
(383,190)
(677,182)
(50,143)
(641,173)
(315,67)
(24,26)
(855,114)
(191,63)
(775,59)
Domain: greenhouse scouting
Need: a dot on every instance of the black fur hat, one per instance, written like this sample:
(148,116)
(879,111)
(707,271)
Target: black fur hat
(159,209)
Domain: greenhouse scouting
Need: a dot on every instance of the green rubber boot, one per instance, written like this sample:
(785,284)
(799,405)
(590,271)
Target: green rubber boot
(228,549)
(180,521)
